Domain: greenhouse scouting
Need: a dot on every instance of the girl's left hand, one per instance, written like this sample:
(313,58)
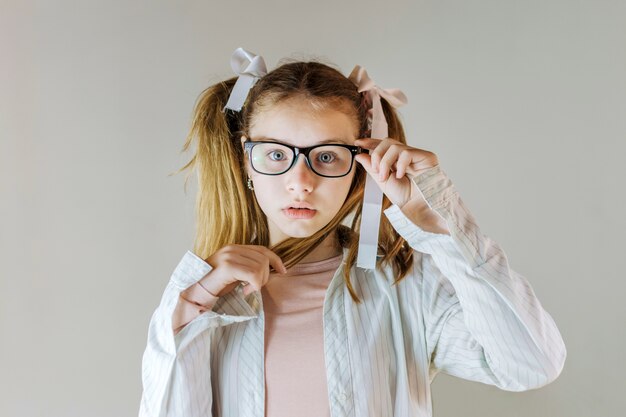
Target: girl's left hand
(390,161)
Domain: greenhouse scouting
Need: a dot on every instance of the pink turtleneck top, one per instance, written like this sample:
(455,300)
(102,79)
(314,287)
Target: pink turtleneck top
(295,371)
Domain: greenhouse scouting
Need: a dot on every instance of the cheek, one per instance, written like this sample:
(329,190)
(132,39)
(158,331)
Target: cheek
(336,193)
(265,190)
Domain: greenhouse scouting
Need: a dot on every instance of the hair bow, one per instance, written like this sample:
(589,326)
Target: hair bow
(394,96)
(250,68)
(373,195)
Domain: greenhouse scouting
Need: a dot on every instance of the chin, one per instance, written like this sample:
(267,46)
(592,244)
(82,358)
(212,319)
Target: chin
(299,233)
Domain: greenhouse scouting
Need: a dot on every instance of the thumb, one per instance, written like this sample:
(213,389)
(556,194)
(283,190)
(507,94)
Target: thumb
(366,161)
(248,289)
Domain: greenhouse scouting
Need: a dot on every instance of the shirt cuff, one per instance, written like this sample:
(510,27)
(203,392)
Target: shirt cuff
(190,270)
(435,186)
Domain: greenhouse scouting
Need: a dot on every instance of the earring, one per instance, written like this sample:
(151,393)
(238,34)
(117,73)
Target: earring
(250,184)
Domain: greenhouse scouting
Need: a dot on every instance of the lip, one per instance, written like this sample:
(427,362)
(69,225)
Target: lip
(298,205)
(299,213)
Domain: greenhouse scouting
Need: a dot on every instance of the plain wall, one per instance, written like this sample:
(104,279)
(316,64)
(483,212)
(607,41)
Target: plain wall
(524,102)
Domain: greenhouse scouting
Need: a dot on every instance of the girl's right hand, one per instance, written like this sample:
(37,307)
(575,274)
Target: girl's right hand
(233,264)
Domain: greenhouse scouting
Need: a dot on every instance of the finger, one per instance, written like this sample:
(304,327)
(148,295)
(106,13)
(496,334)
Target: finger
(256,256)
(378,152)
(231,273)
(247,290)
(274,260)
(251,277)
(403,162)
(420,161)
(231,262)
(249,265)
(388,160)
(257,280)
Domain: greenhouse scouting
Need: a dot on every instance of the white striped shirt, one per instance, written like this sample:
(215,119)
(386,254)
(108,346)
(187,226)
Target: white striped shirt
(461,310)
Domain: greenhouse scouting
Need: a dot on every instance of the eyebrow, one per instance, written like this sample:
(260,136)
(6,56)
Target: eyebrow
(333,140)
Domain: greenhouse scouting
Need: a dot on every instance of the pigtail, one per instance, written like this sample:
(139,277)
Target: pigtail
(223,213)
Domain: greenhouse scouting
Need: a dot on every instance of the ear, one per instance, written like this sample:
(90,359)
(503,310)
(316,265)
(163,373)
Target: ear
(245,160)
(242,139)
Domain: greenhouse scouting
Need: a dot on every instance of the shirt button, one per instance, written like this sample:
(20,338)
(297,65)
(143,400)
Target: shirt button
(342,397)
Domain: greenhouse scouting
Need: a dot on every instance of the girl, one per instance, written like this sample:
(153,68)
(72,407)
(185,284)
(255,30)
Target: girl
(270,316)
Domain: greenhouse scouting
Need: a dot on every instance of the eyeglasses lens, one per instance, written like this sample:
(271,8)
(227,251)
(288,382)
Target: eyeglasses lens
(328,160)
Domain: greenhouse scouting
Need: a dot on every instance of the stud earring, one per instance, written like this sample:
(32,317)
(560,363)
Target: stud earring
(250,184)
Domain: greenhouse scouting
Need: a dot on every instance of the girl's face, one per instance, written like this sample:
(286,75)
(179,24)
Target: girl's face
(295,122)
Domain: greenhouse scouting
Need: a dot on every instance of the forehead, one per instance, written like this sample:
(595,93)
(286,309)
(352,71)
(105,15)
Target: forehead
(299,123)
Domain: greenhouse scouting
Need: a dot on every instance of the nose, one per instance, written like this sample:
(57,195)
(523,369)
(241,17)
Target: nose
(300,178)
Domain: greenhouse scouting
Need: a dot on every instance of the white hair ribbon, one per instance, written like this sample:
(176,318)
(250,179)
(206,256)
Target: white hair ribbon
(250,68)
(373,195)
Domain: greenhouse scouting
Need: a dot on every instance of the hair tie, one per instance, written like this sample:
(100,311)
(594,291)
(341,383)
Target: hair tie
(373,195)
(249,67)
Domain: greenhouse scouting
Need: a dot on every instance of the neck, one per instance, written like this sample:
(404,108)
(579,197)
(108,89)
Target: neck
(327,249)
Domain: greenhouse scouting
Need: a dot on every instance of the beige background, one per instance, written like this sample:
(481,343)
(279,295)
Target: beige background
(524,102)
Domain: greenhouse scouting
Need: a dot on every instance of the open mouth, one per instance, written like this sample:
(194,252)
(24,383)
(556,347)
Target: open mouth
(299,213)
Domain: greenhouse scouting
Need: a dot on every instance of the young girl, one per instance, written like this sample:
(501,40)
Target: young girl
(270,315)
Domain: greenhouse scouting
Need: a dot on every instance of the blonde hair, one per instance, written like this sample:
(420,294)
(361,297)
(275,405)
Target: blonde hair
(227,212)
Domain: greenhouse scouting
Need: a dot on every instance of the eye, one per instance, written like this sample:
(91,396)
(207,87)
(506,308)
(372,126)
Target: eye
(276,155)
(326,157)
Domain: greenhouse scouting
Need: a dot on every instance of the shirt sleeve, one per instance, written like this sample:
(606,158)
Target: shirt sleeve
(176,372)
(483,320)
(192,302)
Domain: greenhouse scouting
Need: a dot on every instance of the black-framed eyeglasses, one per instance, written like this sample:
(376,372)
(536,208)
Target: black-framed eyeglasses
(326,160)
